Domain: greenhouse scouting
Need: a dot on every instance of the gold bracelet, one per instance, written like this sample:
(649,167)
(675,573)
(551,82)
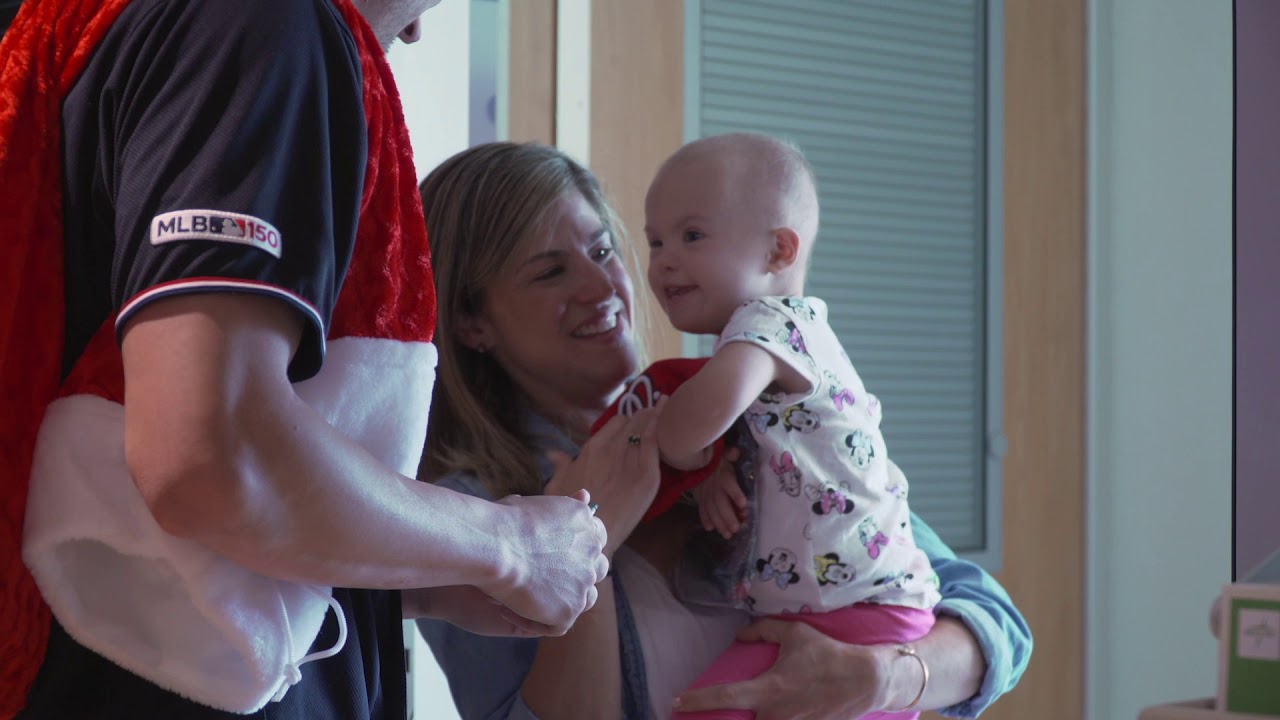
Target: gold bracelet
(924,668)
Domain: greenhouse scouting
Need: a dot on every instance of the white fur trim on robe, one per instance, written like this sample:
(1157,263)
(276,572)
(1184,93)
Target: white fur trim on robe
(168,609)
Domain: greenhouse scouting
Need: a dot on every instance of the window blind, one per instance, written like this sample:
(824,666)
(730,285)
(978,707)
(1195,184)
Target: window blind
(888,100)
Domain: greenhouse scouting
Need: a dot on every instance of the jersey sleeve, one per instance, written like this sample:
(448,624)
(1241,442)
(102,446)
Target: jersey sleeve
(771,325)
(237,142)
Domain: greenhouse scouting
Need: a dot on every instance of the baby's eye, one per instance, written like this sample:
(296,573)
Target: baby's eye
(655,243)
(692,236)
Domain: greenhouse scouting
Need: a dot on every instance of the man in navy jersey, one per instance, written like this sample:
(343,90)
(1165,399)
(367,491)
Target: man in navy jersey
(245,372)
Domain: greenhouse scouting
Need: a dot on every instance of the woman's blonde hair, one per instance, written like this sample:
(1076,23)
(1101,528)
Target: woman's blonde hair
(480,206)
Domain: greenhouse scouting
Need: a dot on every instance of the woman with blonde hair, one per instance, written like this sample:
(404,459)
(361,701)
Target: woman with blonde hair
(536,339)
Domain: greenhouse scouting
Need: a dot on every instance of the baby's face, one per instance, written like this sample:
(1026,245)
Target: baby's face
(705,257)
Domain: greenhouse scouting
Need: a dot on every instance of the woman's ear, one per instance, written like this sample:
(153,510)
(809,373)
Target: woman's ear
(785,250)
(474,332)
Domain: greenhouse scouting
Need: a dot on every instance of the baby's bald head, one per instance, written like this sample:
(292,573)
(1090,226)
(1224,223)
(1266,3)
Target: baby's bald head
(734,216)
(766,177)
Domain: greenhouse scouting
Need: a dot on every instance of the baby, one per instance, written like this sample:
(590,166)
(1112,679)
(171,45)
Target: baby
(731,223)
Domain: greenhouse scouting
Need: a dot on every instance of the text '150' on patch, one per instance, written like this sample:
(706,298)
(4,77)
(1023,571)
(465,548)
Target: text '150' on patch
(215,225)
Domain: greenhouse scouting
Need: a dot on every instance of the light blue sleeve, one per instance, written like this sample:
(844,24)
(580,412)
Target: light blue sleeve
(484,673)
(972,595)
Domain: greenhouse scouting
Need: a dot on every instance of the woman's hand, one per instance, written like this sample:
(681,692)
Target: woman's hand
(814,678)
(620,473)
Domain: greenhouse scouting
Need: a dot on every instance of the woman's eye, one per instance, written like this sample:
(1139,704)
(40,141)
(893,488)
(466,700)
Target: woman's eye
(603,252)
(549,273)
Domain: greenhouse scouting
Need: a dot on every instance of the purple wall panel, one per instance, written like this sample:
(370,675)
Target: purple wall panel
(1257,282)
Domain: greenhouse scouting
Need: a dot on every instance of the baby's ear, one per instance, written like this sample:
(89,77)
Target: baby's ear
(785,250)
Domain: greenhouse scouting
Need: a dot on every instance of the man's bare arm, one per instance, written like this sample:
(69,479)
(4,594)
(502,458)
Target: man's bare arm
(226,454)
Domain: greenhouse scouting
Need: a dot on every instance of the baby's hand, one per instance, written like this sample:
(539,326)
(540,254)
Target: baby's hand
(721,504)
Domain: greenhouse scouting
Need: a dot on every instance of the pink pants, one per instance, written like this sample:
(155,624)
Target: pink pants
(861,624)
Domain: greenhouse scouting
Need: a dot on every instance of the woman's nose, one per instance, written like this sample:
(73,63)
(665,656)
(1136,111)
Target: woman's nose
(594,284)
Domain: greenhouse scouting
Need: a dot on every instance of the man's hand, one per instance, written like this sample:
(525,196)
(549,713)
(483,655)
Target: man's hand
(553,558)
(470,609)
(814,678)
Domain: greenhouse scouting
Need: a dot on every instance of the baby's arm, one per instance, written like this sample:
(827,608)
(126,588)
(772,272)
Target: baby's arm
(703,408)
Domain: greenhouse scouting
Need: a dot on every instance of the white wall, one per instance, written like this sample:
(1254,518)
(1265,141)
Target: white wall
(433,76)
(1159,399)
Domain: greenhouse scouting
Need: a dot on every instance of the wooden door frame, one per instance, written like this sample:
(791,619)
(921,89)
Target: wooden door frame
(1044,356)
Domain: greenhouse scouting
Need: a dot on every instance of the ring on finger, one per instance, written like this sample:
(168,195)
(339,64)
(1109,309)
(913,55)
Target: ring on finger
(633,439)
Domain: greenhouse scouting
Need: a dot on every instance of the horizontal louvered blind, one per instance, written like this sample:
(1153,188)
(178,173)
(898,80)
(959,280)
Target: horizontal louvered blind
(888,100)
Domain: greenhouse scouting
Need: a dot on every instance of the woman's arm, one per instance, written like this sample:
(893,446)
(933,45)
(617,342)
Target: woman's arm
(955,665)
(820,678)
(485,673)
(578,674)
(976,652)
(976,600)
(572,676)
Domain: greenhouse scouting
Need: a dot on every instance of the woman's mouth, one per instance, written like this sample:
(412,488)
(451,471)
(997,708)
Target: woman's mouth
(599,327)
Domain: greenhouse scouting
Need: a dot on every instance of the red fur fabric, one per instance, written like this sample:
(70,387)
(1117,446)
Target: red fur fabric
(388,291)
(41,55)
(659,379)
(394,285)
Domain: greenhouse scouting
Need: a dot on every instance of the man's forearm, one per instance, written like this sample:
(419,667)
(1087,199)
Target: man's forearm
(300,501)
(225,453)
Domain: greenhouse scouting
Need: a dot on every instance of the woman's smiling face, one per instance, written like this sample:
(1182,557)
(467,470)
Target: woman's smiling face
(558,316)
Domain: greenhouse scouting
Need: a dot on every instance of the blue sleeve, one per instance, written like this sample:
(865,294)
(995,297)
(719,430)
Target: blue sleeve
(972,595)
(484,673)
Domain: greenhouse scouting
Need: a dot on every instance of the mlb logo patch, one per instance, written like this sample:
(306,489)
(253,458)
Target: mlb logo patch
(218,226)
